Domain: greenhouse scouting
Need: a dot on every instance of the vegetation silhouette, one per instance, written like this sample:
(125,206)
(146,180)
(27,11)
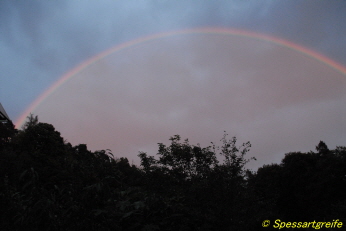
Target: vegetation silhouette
(48,184)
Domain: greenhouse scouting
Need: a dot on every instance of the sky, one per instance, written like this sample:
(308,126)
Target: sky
(245,67)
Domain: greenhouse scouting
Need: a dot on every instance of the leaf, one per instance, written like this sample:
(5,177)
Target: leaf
(128,214)
(139,204)
(97,212)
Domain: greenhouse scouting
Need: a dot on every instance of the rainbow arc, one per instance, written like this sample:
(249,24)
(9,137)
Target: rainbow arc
(228,32)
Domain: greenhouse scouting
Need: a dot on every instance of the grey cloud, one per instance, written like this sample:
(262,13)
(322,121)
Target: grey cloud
(264,93)
(246,88)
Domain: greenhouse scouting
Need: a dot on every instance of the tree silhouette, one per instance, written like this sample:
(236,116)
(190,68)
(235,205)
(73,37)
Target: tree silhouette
(48,184)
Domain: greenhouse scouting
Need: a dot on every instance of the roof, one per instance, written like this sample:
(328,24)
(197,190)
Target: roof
(3,114)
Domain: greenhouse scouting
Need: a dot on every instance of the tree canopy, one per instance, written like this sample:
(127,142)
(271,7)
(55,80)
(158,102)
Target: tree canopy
(48,184)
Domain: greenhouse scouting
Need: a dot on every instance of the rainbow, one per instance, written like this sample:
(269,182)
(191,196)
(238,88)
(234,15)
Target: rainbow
(235,32)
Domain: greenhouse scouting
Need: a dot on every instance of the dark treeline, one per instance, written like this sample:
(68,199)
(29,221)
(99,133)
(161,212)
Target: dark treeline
(48,184)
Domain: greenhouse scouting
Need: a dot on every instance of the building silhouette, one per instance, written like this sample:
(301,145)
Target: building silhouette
(4,118)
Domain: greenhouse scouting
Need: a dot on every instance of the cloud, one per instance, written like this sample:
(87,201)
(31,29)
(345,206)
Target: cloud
(197,86)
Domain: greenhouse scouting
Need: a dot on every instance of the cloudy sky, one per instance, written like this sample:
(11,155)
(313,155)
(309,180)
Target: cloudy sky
(251,71)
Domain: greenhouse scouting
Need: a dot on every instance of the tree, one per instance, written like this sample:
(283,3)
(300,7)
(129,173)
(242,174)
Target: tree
(31,121)
(40,138)
(7,132)
(235,160)
(322,148)
(196,190)
(46,183)
(264,189)
(181,160)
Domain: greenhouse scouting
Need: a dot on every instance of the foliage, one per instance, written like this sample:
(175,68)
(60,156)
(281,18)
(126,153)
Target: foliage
(7,132)
(194,186)
(48,184)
